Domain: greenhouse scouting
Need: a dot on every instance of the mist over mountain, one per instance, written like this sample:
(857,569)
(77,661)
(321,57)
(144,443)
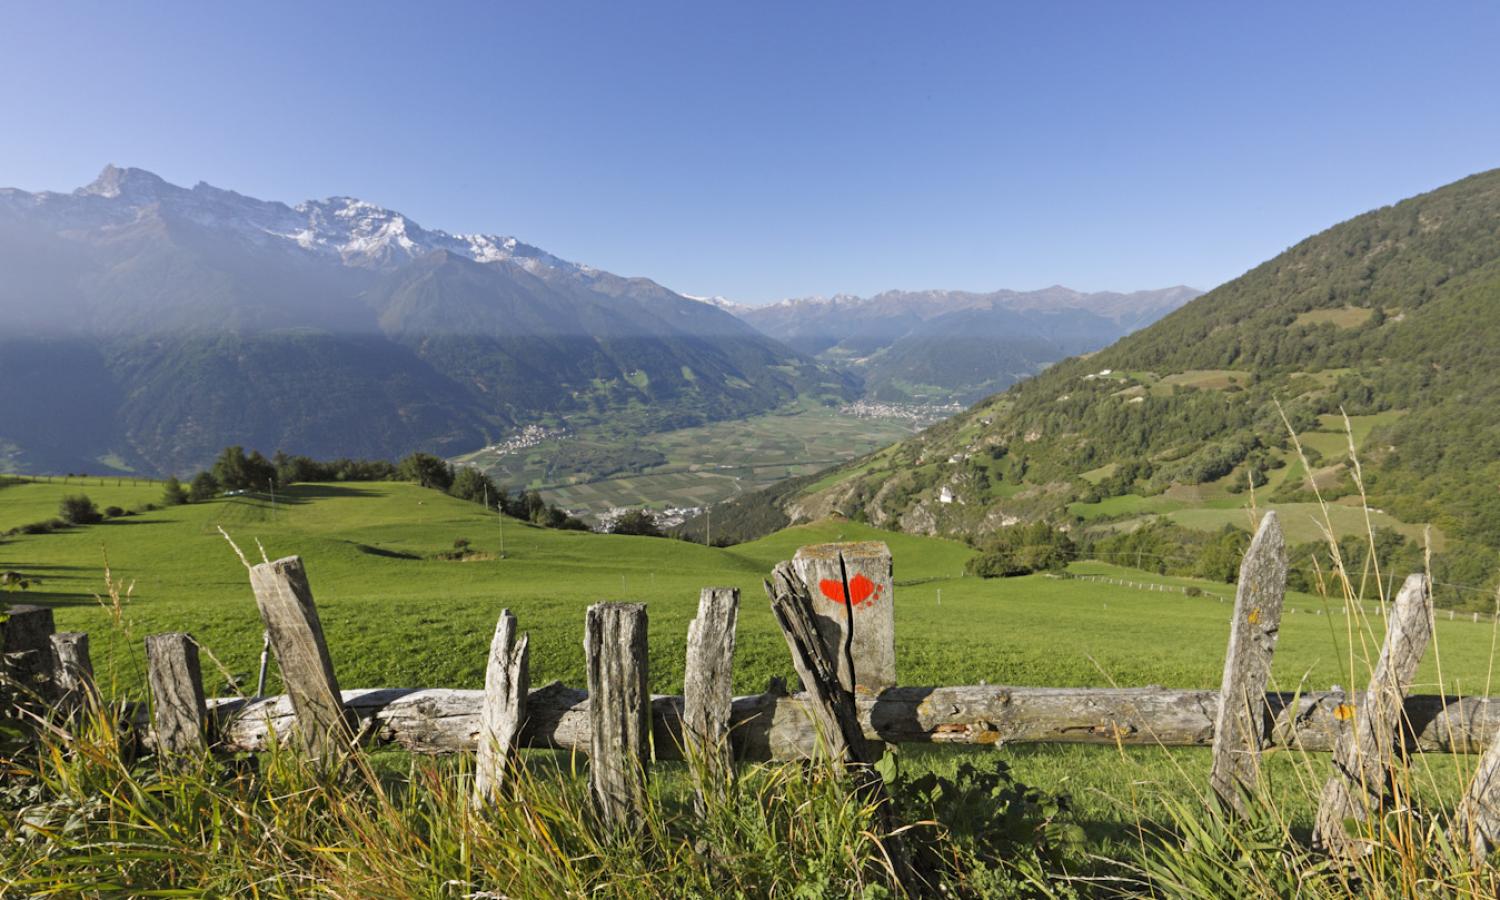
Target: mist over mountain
(956,345)
(147,325)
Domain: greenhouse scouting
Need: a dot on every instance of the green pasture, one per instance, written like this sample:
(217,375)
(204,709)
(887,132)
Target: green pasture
(397,616)
(36,500)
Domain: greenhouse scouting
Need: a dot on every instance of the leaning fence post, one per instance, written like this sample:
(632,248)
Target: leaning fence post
(614,643)
(707,691)
(829,693)
(73,670)
(503,710)
(1362,758)
(864,569)
(1240,726)
(291,617)
(830,699)
(179,712)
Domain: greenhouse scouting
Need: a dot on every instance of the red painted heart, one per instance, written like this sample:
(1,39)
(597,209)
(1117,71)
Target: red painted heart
(860,589)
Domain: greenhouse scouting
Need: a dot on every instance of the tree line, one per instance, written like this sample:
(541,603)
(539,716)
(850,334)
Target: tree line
(235,471)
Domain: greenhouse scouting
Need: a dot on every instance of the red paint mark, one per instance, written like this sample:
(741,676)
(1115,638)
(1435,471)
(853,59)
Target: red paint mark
(861,590)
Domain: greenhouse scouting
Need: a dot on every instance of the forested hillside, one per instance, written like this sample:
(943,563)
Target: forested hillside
(1392,317)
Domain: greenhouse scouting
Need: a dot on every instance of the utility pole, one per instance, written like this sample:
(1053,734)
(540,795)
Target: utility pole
(499,517)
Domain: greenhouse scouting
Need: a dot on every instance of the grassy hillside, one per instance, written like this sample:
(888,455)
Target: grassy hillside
(396,615)
(25,501)
(1391,317)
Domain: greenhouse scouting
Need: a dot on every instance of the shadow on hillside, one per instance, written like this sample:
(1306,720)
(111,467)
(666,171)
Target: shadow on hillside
(305,493)
(27,568)
(383,552)
(50,599)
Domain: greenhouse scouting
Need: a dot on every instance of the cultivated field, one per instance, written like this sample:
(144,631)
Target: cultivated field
(703,465)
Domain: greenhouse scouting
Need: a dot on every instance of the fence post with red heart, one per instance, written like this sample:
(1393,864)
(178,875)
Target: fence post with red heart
(852,581)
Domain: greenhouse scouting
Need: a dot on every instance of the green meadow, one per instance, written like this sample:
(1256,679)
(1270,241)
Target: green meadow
(396,615)
(24,502)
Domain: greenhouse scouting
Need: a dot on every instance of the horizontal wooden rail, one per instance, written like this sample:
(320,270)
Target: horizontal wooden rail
(435,720)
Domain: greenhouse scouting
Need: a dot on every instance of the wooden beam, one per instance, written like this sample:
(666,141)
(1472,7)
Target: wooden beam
(179,712)
(506,685)
(852,584)
(1360,787)
(1241,727)
(615,651)
(708,693)
(774,726)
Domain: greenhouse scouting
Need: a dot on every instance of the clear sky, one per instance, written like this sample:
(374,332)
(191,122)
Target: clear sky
(763,150)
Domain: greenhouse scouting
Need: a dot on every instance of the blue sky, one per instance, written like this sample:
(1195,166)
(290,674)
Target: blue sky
(764,150)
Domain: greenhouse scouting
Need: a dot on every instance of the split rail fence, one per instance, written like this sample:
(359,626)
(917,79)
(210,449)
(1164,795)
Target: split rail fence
(834,604)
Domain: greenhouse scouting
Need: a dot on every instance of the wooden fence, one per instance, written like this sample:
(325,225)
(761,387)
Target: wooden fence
(834,604)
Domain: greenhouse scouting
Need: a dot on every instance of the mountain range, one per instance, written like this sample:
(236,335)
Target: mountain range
(962,346)
(147,325)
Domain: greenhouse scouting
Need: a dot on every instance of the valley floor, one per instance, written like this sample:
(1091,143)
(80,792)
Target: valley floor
(593,471)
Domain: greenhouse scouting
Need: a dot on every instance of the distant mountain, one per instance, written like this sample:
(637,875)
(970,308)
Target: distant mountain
(146,325)
(956,345)
(1392,317)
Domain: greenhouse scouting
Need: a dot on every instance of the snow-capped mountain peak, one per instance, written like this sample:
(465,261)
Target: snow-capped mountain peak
(115,182)
(357,232)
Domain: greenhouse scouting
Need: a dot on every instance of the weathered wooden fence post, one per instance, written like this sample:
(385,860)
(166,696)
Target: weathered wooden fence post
(27,683)
(73,670)
(1240,728)
(707,691)
(291,617)
(503,710)
(614,643)
(830,699)
(828,684)
(179,712)
(1476,822)
(851,586)
(1360,785)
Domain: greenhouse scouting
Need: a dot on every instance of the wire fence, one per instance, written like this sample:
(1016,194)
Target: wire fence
(1193,591)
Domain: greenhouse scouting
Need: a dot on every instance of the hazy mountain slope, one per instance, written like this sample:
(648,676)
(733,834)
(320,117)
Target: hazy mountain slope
(956,345)
(1393,316)
(199,317)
